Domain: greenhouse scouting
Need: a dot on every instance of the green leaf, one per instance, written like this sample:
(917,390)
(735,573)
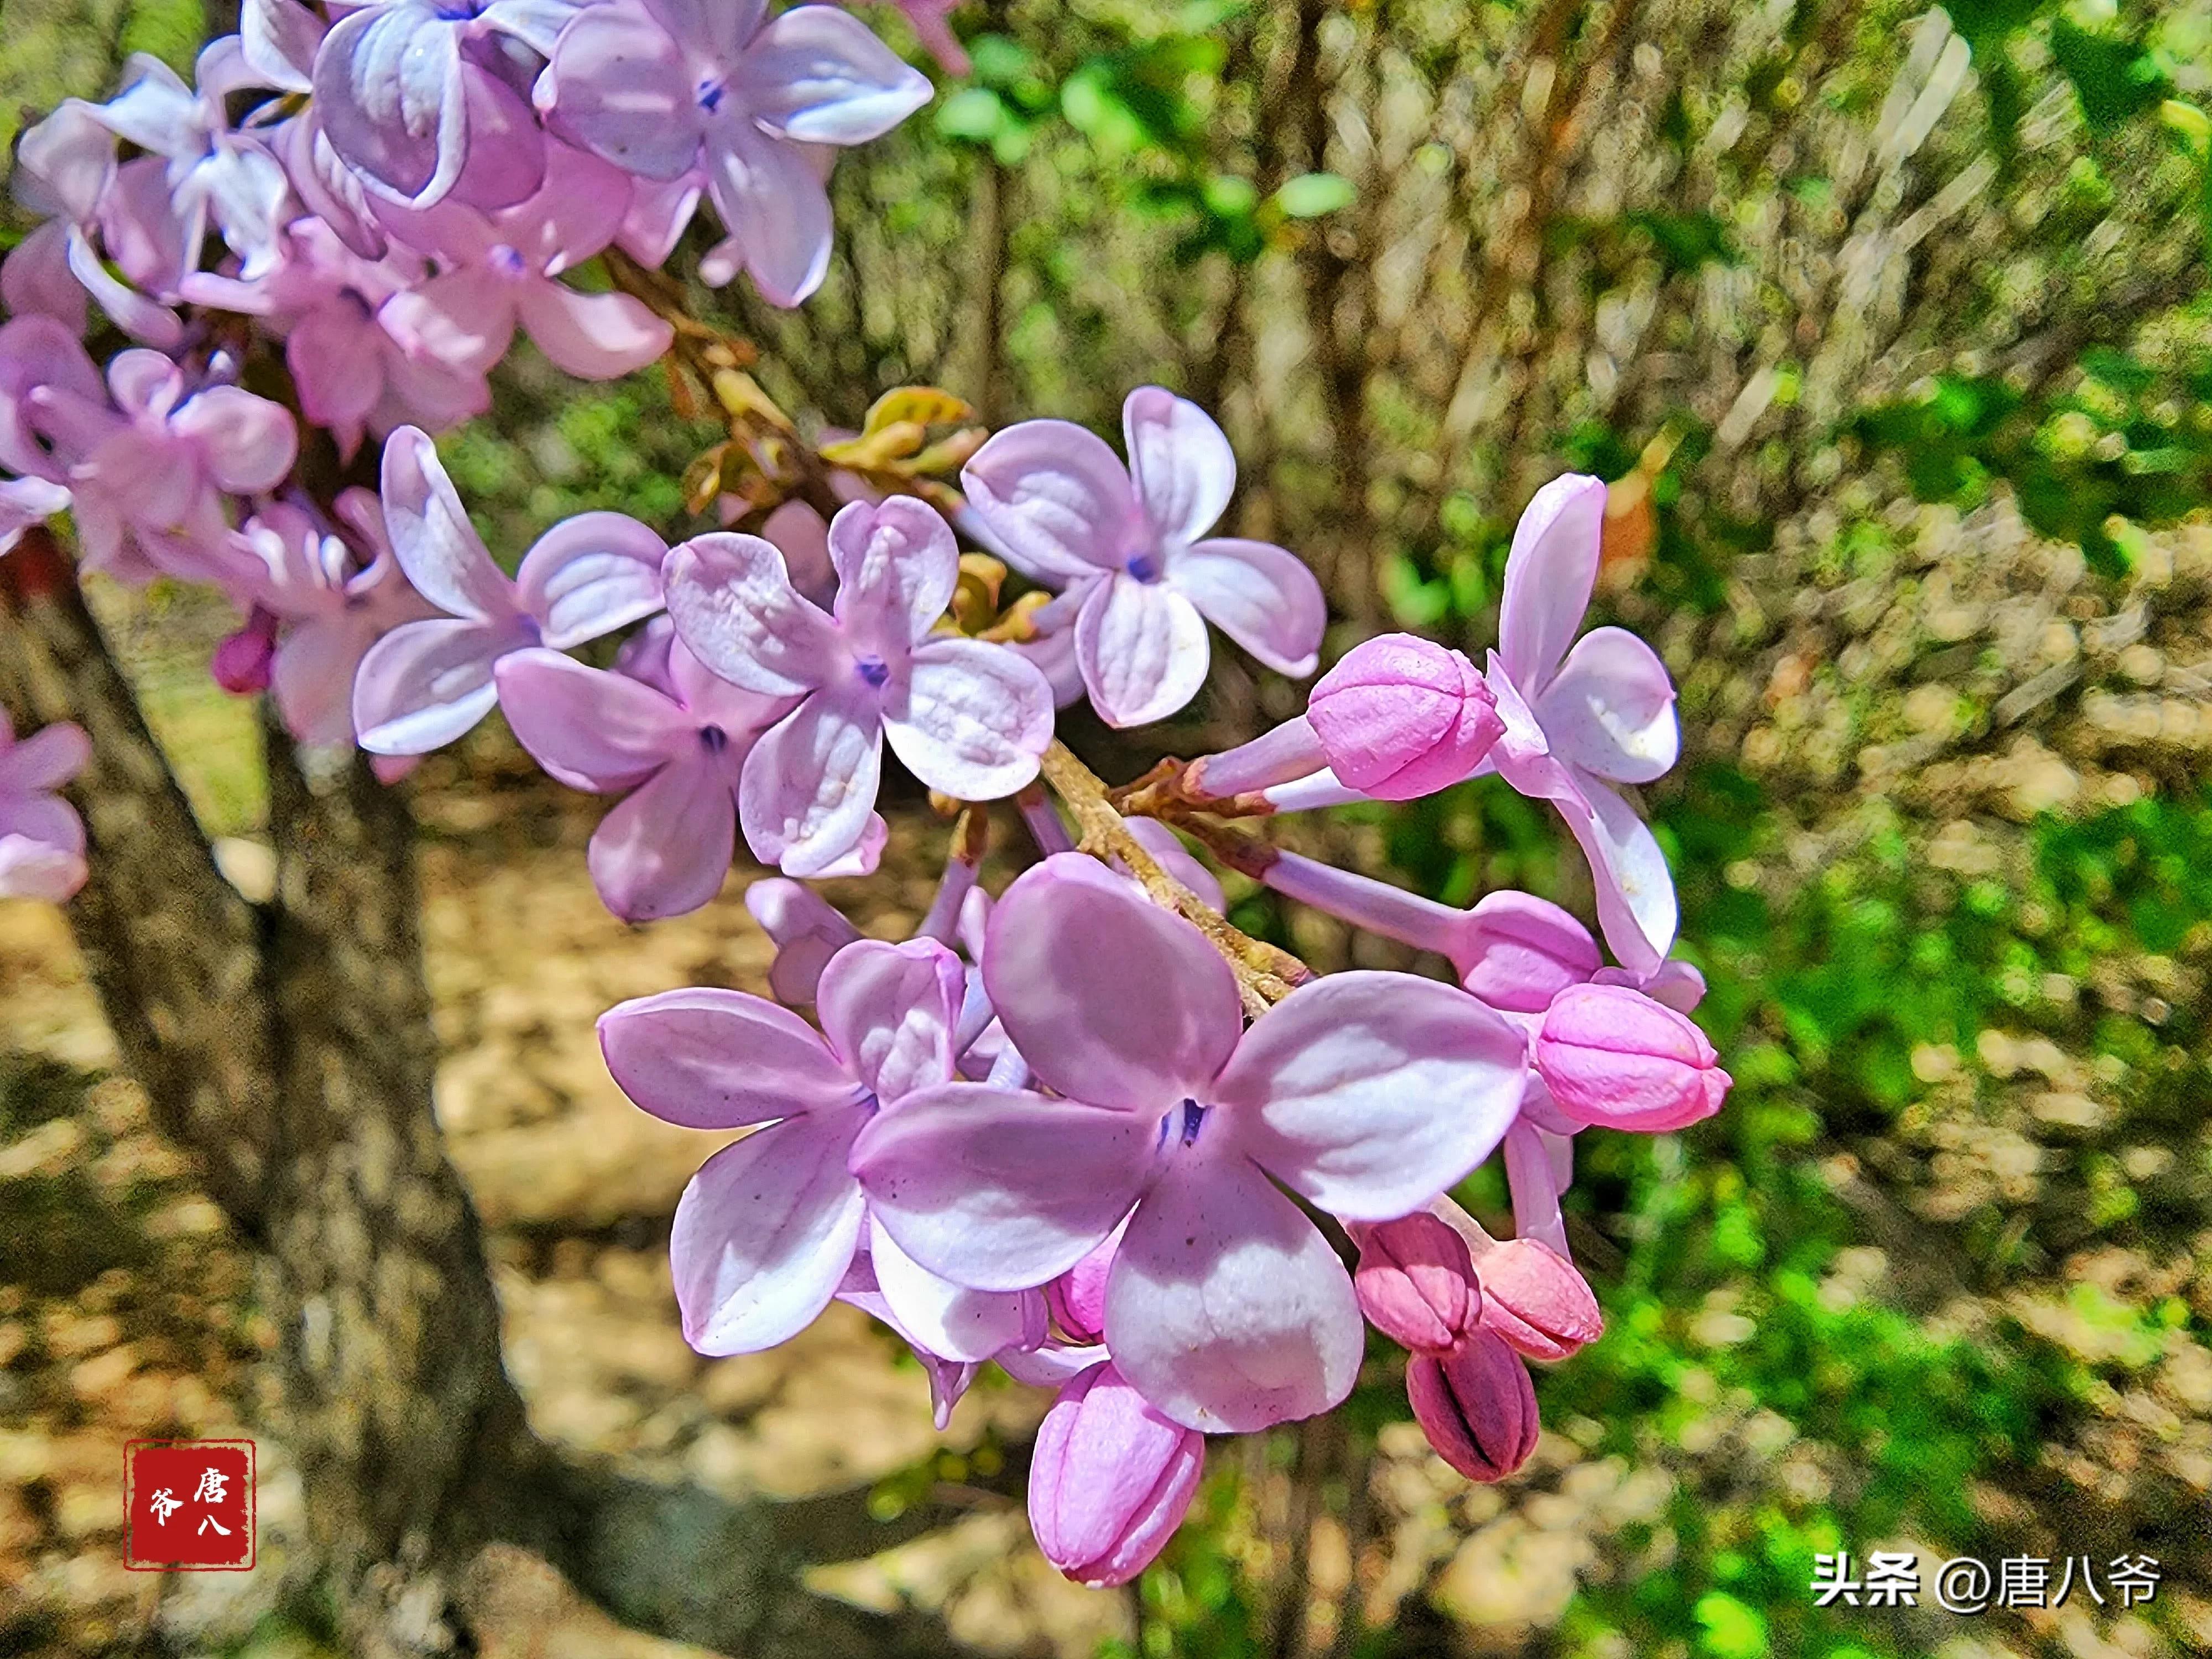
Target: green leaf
(975,113)
(1732,1630)
(2115,79)
(1311,195)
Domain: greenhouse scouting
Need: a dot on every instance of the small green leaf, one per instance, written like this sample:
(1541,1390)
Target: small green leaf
(1311,194)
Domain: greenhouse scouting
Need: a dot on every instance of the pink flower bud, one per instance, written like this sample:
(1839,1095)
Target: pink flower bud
(1416,1282)
(241,661)
(1476,1405)
(1401,717)
(1615,1058)
(1111,1480)
(1077,1297)
(1534,1301)
(1517,951)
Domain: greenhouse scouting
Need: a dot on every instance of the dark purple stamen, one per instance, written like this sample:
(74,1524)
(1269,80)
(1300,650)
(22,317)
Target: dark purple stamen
(1192,1115)
(1143,568)
(713,740)
(710,95)
(874,670)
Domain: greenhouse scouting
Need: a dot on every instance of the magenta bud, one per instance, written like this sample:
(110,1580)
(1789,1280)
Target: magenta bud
(1416,1282)
(1110,1479)
(1401,717)
(242,660)
(1534,1301)
(1517,951)
(1077,1297)
(1476,1405)
(1615,1058)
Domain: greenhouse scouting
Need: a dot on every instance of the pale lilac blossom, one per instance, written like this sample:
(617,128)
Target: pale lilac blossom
(53,411)
(214,173)
(66,174)
(498,271)
(1364,1093)
(767,1230)
(666,88)
(673,754)
(1129,545)
(41,837)
(966,717)
(426,683)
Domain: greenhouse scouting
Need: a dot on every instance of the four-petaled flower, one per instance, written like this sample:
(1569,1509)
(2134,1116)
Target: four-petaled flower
(1141,576)
(426,683)
(41,837)
(767,1230)
(967,717)
(1364,1093)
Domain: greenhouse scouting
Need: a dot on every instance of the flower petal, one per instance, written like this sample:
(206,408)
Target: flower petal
(431,535)
(249,442)
(949,1320)
(1001,1191)
(736,610)
(1056,498)
(1369,1093)
(1611,709)
(1548,578)
(969,718)
(1110,998)
(889,1012)
(1225,1306)
(808,785)
(425,683)
(589,575)
(1180,461)
(391,97)
(896,566)
(819,74)
(620,87)
(664,850)
(44,761)
(1143,650)
(593,336)
(774,205)
(765,1232)
(705,1059)
(1260,595)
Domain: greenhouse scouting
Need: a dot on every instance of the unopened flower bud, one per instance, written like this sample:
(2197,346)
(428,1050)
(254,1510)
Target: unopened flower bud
(1615,1058)
(1077,1297)
(1402,717)
(1517,951)
(807,931)
(1416,1282)
(1110,1480)
(1534,1301)
(242,661)
(1476,1405)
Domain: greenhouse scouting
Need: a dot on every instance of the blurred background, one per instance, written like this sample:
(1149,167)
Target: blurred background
(1890,325)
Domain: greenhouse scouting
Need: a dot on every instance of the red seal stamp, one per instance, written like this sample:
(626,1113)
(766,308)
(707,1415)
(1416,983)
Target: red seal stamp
(189,1505)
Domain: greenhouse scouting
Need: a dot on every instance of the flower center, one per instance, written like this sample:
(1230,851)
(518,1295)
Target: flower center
(1183,1123)
(507,261)
(713,740)
(1144,567)
(874,670)
(709,92)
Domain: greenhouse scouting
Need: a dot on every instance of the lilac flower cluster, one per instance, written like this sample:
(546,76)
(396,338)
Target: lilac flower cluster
(1065,1130)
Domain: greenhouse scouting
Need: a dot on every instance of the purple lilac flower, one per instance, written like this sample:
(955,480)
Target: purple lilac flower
(675,756)
(335,596)
(214,173)
(426,683)
(53,408)
(1364,1093)
(356,372)
(411,94)
(1579,721)
(66,173)
(149,492)
(767,1230)
(41,837)
(1141,577)
(664,87)
(497,271)
(1110,1480)
(966,717)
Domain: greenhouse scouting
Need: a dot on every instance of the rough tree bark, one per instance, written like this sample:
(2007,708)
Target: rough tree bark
(288,1048)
